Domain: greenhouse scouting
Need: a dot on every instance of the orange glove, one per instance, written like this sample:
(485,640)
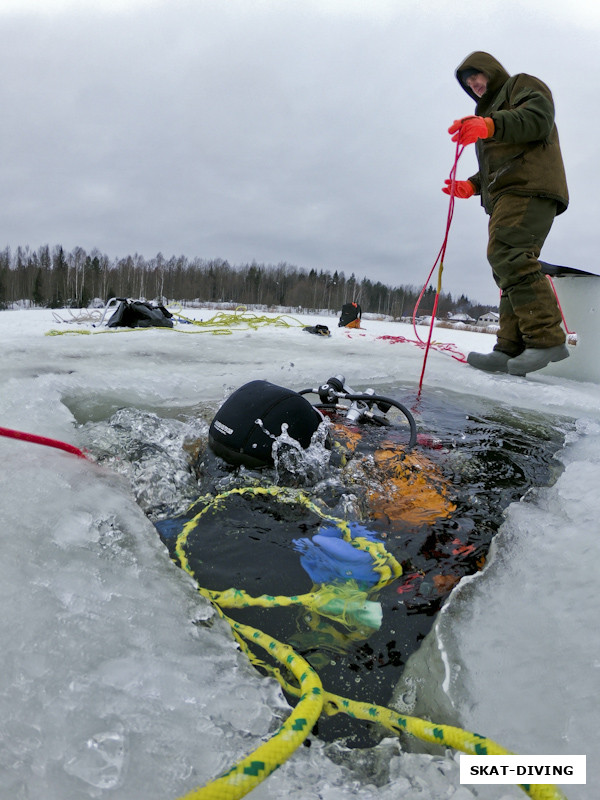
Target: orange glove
(468,129)
(462,189)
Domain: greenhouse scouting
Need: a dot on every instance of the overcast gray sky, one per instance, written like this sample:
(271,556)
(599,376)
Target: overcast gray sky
(307,131)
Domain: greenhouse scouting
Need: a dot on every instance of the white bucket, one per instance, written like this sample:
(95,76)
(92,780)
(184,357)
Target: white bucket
(579,297)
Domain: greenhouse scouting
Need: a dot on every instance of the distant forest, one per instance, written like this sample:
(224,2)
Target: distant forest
(54,278)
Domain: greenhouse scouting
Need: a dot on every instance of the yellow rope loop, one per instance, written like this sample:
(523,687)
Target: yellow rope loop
(211,502)
(252,770)
(283,494)
(345,603)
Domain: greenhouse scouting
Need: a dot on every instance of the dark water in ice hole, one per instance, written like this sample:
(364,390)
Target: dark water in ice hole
(490,457)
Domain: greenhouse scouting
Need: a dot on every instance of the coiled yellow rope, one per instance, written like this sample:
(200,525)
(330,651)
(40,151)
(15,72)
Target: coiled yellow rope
(253,769)
(241,316)
(220,324)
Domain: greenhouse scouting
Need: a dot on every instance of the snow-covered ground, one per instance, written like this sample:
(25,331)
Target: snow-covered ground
(116,680)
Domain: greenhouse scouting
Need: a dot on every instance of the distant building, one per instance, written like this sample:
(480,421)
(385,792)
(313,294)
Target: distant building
(489,318)
(461,318)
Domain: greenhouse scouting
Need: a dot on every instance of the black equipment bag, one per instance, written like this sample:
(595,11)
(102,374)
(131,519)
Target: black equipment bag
(350,313)
(139,314)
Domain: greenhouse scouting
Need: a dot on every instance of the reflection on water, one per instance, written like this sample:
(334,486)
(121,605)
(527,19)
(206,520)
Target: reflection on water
(435,511)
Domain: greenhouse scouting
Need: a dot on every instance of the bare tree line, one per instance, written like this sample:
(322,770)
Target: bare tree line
(54,278)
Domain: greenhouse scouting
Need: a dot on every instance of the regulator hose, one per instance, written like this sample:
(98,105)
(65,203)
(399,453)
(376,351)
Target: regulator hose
(376,398)
(370,399)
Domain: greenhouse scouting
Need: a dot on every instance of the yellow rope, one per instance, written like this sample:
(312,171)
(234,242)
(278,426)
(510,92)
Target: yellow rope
(253,769)
(345,603)
(446,735)
(240,316)
(219,324)
(384,564)
(55,332)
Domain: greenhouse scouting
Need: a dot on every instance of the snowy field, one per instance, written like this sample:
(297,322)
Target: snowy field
(112,684)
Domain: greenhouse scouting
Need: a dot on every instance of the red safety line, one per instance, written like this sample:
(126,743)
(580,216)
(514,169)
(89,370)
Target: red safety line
(441,347)
(440,260)
(32,437)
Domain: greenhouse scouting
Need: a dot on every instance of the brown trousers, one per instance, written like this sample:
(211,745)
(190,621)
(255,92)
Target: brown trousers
(529,312)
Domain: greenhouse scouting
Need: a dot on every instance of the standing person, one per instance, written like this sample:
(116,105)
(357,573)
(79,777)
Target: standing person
(522,185)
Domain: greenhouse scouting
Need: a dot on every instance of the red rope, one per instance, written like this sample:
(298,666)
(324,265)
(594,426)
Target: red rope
(439,260)
(448,348)
(559,305)
(32,437)
(441,347)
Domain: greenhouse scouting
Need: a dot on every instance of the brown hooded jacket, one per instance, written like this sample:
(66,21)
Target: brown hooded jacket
(523,156)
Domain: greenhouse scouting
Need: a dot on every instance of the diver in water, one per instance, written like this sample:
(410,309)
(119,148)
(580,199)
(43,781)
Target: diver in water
(244,429)
(260,421)
(522,185)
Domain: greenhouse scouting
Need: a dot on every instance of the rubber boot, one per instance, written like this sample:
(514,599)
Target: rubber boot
(496,361)
(534,358)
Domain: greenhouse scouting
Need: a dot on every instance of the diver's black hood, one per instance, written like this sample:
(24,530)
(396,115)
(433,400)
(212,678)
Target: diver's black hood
(483,62)
(247,423)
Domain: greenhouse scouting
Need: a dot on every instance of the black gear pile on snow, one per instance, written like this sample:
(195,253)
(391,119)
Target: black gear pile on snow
(139,314)
(318,330)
